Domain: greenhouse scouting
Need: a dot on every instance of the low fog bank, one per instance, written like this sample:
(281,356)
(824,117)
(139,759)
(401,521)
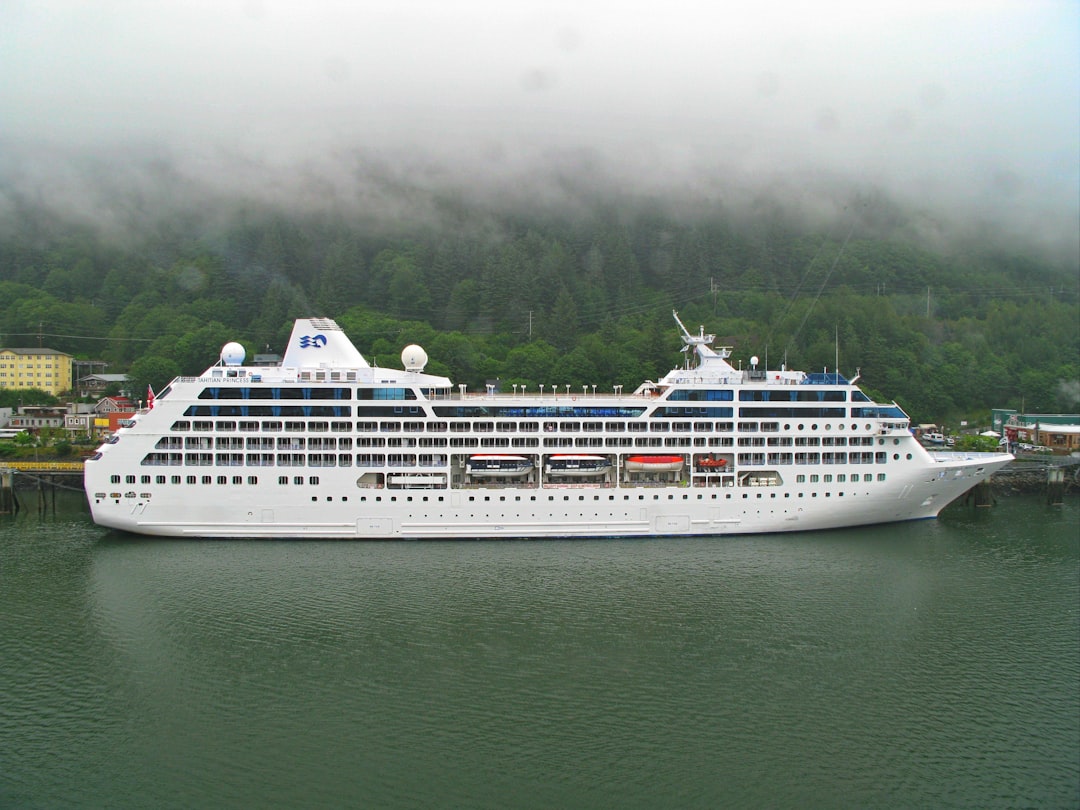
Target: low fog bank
(128,193)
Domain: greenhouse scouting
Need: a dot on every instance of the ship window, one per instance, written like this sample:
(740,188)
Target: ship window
(222,480)
(191,479)
(203,426)
(249,426)
(175,479)
(181,425)
(226,426)
(881,476)
(294,427)
(114,479)
(298,480)
(271,427)
(144,479)
(159,479)
(208,479)
(283,479)
(314,480)
(253,480)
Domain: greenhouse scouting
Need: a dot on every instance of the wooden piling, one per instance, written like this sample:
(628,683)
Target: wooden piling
(7,493)
(981,495)
(1055,486)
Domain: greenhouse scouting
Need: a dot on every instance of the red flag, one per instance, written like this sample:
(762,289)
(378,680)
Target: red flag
(149,397)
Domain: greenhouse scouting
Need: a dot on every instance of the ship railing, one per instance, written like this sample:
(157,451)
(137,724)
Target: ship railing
(579,485)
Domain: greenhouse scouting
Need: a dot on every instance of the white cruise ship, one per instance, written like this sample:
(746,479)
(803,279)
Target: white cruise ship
(325,445)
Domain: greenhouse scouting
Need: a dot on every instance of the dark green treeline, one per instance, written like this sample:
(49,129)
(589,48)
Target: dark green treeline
(948,334)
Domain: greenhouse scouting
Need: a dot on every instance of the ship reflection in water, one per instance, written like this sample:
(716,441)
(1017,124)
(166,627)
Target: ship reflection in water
(937,659)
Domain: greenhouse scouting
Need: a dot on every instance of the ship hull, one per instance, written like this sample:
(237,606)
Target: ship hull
(578,510)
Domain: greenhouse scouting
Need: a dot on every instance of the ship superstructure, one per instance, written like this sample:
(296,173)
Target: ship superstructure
(326,445)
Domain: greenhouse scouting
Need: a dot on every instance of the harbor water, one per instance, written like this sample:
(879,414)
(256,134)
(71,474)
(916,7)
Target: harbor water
(930,664)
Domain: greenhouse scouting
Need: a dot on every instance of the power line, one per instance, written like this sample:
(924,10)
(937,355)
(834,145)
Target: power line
(84,337)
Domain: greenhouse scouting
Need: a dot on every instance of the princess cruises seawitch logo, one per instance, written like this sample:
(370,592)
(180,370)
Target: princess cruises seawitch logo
(309,342)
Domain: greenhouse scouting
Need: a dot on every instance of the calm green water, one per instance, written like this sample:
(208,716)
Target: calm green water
(934,664)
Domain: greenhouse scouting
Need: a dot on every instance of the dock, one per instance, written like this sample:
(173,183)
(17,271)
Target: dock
(1054,475)
(45,476)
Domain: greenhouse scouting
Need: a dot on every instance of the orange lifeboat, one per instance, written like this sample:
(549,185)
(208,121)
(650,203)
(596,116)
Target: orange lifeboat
(710,463)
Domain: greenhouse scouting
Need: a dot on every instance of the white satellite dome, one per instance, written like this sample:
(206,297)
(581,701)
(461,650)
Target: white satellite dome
(414,358)
(233,354)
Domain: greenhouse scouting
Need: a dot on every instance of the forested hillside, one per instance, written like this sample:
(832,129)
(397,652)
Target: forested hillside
(948,332)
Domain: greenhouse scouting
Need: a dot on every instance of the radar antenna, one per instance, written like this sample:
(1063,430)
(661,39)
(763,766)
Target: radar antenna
(701,343)
(701,339)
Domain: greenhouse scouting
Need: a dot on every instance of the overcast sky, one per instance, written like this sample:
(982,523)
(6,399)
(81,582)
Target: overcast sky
(967,109)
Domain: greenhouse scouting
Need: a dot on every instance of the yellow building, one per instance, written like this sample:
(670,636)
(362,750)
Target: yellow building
(46,369)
